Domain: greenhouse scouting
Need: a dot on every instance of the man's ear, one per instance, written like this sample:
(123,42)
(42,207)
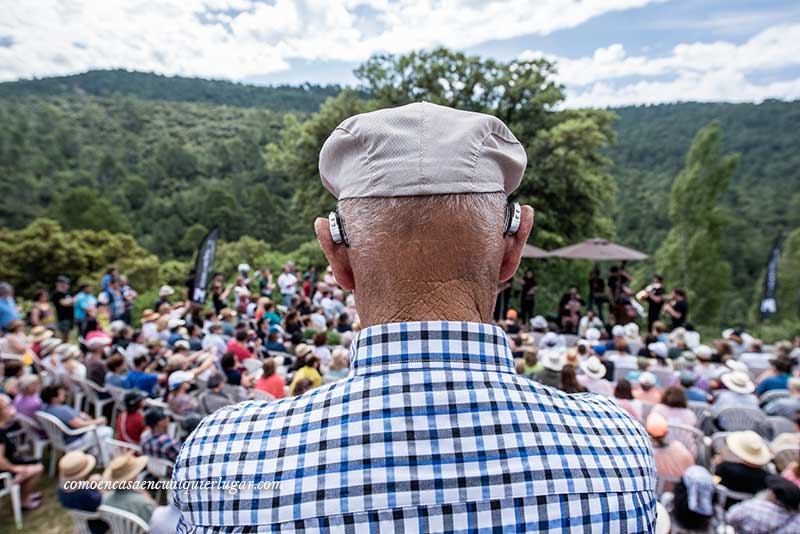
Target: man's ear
(336,254)
(514,245)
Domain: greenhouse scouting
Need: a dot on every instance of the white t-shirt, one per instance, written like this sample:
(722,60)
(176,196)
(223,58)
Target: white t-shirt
(287,283)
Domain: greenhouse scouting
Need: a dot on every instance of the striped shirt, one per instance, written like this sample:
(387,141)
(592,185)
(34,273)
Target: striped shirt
(432,431)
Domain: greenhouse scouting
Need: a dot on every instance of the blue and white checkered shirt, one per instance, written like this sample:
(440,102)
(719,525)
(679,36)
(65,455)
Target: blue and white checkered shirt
(432,431)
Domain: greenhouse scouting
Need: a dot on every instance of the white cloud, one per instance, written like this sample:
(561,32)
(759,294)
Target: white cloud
(236,39)
(693,71)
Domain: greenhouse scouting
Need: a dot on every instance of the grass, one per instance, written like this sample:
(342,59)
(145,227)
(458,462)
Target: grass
(49,518)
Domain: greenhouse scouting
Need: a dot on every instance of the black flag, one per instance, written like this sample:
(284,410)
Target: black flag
(769,302)
(203,265)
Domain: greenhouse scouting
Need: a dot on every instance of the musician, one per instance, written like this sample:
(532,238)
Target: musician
(569,309)
(597,291)
(528,295)
(618,279)
(654,293)
(677,307)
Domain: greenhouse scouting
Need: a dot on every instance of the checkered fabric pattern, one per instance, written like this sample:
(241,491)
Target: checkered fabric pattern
(161,446)
(432,431)
(761,515)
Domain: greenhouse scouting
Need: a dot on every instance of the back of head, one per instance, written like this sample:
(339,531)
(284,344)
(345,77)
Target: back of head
(786,492)
(411,252)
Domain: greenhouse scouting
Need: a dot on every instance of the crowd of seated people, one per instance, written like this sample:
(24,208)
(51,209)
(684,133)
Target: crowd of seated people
(670,381)
(161,378)
(178,367)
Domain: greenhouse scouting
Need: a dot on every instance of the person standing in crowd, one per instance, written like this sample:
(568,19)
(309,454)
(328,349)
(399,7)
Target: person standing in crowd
(654,293)
(63,303)
(164,294)
(777,512)
(112,295)
(266,285)
(677,307)
(129,298)
(618,278)
(597,292)
(42,313)
(527,297)
(287,282)
(439,179)
(8,306)
(84,306)
(569,309)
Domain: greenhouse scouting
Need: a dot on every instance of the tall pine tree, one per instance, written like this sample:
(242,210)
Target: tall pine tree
(691,255)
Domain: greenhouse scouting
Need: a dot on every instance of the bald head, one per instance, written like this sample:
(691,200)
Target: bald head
(419,258)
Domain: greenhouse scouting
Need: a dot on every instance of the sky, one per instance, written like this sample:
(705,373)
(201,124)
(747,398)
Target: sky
(608,52)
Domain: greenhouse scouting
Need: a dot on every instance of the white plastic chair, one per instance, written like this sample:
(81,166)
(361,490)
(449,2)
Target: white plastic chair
(738,418)
(35,441)
(119,447)
(772,395)
(161,469)
(262,395)
(91,392)
(691,438)
(700,409)
(784,457)
(723,494)
(56,432)
(778,425)
(117,394)
(621,371)
(122,522)
(7,487)
(664,376)
(81,520)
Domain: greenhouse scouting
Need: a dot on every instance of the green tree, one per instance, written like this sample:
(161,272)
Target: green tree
(789,279)
(83,208)
(691,254)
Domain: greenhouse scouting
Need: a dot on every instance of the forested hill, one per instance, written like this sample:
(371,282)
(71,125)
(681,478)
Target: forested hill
(149,86)
(160,158)
(763,201)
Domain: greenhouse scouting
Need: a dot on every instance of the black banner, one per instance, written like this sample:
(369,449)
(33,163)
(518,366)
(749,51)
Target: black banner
(769,302)
(203,266)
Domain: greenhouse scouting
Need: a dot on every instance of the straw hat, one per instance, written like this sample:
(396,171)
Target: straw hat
(749,447)
(149,315)
(594,367)
(75,465)
(551,359)
(592,335)
(40,333)
(738,382)
(124,467)
(302,350)
(704,352)
(48,346)
(572,358)
(735,365)
(227,313)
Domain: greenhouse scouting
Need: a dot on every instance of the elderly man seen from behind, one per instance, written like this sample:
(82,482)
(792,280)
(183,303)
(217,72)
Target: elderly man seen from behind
(432,430)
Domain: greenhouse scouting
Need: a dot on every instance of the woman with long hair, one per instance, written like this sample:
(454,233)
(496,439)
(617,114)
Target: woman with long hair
(569,381)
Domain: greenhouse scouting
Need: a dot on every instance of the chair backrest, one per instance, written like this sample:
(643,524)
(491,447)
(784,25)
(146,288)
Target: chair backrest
(691,437)
(621,371)
(53,427)
(647,407)
(784,457)
(262,395)
(81,520)
(723,494)
(772,395)
(123,522)
(738,418)
(717,442)
(118,447)
(159,467)
(31,427)
(664,376)
(155,403)
(90,389)
(755,370)
(780,425)
(662,481)
(700,409)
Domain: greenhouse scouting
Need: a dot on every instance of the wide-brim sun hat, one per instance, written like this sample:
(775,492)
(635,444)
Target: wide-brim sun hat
(551,359)
(76,465)
(40,333)
(538,322)
(647,379)
(618,331)
(704,352)
(738,382)
(179,377)
(48,346)
(125,467)
(749,447)
(594,367)
(735,365)
(592,335)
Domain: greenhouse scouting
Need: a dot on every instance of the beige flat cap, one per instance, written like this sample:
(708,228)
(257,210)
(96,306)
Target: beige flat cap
(418,150)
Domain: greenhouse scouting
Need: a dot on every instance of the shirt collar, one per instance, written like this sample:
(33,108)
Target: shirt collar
(431,344)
